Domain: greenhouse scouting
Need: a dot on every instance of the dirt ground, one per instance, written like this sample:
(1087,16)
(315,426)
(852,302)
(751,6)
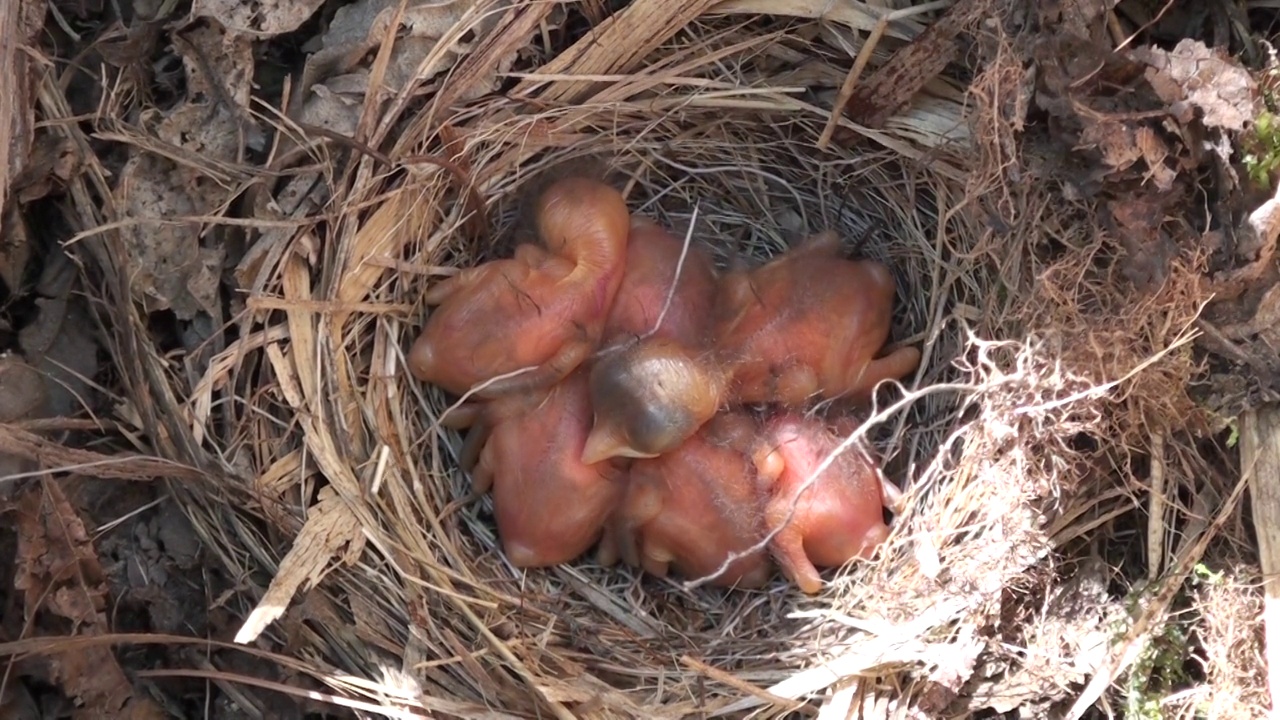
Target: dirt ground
(1159,115)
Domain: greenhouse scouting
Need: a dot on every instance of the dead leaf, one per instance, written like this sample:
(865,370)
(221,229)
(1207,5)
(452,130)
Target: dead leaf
(1148,250)
(361,26)
(22,395)
(60,344)
(1204,78)
(53,162)
(167,258)
(213,122)
(22,391)
(336,104)
(59,573)
(1079,17)
(260,18)
(15,248)
(1154,153)
(1114,140)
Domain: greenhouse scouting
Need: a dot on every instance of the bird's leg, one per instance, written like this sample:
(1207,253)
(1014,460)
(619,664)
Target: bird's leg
(826,242)
(643,504)
(656,560)
(482,473)
(472,447)
(788,549)
(569,357)
(894,366)
(890,496)
(608,552)
(461,416)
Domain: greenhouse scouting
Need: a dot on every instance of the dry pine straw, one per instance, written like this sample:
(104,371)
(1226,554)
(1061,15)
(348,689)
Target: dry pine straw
(310,399)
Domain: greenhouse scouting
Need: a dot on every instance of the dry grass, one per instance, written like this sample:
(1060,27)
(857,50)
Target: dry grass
(336,494)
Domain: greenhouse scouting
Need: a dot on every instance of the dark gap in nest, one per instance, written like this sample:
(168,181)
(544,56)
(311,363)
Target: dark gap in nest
(285,55)
(1164,24)
(18,306)
(1084,443)
(1263,21)
(1124,549)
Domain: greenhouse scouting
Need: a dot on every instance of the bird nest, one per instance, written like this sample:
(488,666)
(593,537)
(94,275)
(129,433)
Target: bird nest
(336,488)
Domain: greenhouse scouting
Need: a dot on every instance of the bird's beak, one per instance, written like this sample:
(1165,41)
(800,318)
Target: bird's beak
(602,444)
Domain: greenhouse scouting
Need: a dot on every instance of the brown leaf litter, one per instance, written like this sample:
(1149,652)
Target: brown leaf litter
(59,575)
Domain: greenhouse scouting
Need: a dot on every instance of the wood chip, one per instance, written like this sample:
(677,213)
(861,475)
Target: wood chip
(330,527)
(1260,450)
(897,81)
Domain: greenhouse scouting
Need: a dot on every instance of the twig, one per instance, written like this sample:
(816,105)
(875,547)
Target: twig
(675,280)
(1155,523)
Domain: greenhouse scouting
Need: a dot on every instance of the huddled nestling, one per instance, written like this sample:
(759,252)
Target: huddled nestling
(626,395)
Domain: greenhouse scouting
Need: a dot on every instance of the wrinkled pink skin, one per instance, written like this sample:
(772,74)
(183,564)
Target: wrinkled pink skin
(806,324)
(652,257)
(836,519)
(544,308)
(550,507)
(690,508)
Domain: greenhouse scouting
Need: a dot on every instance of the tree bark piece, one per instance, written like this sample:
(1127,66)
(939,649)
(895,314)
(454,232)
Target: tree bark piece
(19,22)
(1260,459)
(897,81)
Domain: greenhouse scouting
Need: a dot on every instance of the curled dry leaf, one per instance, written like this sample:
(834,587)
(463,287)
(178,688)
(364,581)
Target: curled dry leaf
(60,342)
(1123,144)
(53,162)
(22,391)
(1195,76)
(59,575)
(22,395)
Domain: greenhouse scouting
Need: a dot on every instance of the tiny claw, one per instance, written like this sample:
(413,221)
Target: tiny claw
(788,550)
(422,359)
(522,555)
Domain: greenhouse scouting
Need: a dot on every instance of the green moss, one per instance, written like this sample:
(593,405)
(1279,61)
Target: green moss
(1262,149)
(1157,672)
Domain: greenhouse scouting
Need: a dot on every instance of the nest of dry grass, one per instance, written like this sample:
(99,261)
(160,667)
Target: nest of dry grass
(335,494)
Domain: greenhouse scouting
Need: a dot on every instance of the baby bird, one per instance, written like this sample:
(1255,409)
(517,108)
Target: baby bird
(692,507)
(649,397)
(808,323)
(652,392)
(550,506)
(653,255)
(836,518)
(544,308)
